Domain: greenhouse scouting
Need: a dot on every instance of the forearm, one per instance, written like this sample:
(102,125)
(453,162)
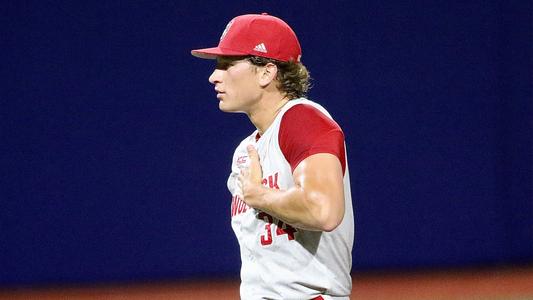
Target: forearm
(314,202)
(309,210)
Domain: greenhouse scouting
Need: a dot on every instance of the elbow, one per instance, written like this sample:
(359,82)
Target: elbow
(330,224)
(329,216)
(326,210)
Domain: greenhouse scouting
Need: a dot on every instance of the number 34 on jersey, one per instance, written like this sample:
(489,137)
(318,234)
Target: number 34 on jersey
(281,229)
(269,233)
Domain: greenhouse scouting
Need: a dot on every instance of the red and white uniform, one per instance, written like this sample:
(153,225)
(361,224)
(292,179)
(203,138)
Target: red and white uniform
(279,261)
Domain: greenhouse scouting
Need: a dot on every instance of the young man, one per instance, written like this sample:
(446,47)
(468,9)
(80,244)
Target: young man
(291,205)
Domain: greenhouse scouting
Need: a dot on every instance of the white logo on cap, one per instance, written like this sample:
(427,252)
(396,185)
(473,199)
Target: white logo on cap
(261,48)
(226,29)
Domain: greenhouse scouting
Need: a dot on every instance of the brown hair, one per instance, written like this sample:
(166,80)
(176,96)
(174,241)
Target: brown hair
(293,77)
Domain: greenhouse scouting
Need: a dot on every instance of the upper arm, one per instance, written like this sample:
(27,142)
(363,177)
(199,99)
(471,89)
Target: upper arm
(320,178)
(313,144)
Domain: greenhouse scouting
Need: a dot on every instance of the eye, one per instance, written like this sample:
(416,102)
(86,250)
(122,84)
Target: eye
(223,64)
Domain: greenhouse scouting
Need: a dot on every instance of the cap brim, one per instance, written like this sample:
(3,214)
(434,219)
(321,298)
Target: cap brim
(213,53)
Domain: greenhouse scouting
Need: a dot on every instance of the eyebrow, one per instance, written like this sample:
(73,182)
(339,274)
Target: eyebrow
(231,58)
(224,62)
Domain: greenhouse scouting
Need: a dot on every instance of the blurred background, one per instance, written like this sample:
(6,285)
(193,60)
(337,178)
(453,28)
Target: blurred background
(114,155)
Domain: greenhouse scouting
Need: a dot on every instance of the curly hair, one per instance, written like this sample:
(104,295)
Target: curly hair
(293,77)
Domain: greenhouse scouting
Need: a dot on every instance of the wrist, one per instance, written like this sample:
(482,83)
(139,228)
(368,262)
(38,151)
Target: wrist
(253,195)
(260,197)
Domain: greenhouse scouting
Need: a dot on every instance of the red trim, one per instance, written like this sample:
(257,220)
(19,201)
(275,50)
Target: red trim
(305,131)
(318,298)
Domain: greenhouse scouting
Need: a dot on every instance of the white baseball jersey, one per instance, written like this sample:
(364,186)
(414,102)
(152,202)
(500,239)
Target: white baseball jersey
(279,261)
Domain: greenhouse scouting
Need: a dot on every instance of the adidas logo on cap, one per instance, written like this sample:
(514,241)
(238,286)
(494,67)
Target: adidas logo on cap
(261,48)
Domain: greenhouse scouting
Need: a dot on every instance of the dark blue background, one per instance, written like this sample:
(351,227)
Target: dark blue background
(114,155)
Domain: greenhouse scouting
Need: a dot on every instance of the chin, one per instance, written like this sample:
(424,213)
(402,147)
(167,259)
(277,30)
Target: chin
(229,109)
(221,106)
(225,107)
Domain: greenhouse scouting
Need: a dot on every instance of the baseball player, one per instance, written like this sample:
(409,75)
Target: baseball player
(291,206)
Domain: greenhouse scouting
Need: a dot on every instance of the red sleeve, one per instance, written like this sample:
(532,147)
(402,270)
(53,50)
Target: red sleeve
(305,131)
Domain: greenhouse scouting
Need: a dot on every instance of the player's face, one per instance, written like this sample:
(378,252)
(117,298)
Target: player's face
(236,84)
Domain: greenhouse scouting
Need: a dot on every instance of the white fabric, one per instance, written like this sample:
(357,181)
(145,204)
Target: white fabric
(314,263)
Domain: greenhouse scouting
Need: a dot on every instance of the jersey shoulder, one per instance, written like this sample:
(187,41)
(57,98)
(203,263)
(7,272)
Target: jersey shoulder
(306,130)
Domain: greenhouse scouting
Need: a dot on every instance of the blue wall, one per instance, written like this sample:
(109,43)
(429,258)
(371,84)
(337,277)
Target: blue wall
(114,155)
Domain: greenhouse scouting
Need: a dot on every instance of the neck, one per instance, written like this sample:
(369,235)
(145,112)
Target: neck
(266,111)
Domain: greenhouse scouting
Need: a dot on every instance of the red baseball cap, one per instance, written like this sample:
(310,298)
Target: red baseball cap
(259,35)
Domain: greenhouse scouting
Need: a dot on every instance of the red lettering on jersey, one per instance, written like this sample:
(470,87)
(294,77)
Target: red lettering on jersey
(266,239)
(241,159)
(242,207)
(282,228)
(288,230)
(271,181)
(237,206)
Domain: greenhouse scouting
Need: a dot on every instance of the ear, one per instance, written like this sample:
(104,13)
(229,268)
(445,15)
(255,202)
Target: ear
(267,74)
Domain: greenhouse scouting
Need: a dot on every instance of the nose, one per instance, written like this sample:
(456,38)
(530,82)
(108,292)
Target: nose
(215,76)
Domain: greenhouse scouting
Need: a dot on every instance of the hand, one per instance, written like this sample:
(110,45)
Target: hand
(250,179)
